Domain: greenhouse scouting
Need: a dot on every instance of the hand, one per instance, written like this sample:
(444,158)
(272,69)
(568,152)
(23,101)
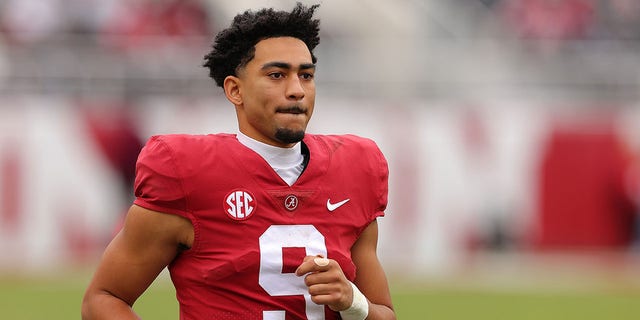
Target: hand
(326,282)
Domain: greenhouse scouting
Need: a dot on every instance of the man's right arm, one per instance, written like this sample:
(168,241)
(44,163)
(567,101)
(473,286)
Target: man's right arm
(147,243)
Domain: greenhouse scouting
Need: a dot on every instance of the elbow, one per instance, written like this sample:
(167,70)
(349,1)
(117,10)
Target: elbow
(103,305)
(85,310)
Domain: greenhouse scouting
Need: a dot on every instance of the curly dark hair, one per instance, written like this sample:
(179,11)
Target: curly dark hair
(234,47)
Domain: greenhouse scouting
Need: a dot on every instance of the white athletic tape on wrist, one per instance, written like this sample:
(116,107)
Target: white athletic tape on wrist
(359,308)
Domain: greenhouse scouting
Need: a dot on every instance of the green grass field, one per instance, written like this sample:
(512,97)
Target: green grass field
(29,298)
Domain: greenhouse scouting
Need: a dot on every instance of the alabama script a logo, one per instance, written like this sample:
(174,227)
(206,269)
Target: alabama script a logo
(240,204)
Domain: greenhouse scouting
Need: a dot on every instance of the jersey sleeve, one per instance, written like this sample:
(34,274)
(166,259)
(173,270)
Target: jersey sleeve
(158,184)
(380,183)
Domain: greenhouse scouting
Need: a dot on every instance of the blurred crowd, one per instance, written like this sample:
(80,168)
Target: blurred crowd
(170,28)
(559,22)
(71,46)
(572,19)
(32,21)
(29,22)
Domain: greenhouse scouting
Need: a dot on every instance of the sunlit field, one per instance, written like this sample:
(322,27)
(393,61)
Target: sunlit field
(597,297)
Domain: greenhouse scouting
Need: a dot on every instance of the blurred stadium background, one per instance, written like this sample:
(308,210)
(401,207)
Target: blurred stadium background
(512,130)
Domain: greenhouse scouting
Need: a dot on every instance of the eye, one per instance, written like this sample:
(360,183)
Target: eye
(307,76)
(276,75)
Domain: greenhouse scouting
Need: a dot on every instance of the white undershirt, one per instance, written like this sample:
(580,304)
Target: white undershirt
(288,163)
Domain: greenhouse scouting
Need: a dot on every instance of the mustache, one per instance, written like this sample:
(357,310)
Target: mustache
(292,109)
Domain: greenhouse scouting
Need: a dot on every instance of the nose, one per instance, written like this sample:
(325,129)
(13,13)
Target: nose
(295,91)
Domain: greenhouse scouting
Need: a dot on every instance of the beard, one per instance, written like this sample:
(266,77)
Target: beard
(289,136)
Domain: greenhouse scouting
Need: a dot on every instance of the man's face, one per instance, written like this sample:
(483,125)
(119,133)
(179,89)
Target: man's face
(277,92)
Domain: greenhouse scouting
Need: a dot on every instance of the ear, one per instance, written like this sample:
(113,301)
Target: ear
(231,87)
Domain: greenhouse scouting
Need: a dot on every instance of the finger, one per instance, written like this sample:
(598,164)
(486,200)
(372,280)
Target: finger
(322,297)
(324,276)
(326,299)
(312,264)
(306,266)
(332,295)
(321,262)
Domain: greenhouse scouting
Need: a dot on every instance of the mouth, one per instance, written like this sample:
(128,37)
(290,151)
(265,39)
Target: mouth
(291,110)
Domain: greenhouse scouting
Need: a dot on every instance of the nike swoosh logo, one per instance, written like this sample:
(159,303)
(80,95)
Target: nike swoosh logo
(333,206)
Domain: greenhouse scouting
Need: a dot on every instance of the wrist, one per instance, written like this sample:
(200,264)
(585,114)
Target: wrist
(359,308)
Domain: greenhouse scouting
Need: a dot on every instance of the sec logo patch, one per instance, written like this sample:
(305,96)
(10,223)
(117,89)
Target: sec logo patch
(240,205)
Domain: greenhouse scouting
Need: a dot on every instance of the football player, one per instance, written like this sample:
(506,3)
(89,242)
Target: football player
(265,223)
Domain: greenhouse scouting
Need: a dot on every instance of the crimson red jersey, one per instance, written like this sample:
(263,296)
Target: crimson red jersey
(252,230)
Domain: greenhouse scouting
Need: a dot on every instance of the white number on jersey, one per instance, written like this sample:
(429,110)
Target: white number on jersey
(271,277)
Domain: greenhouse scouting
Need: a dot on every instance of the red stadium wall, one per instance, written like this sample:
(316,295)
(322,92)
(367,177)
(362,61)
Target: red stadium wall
(583,198)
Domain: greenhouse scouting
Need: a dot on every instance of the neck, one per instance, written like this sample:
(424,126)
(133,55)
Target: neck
(287,162)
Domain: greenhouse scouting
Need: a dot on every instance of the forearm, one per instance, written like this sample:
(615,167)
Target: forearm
(104,306)
(380,312)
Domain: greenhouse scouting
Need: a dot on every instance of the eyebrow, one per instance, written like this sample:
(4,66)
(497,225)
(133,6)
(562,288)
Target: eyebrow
(284,65)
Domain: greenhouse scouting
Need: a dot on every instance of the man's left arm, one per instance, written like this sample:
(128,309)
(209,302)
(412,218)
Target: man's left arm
(370,276)
(328,285)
